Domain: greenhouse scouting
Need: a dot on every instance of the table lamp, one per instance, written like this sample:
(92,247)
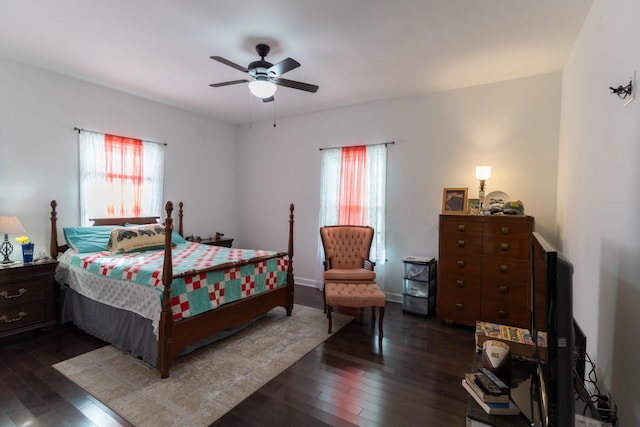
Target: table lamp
(483,173)
(9,225)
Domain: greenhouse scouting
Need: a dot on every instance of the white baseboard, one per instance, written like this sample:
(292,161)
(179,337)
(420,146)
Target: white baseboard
(306,282)
(394,297)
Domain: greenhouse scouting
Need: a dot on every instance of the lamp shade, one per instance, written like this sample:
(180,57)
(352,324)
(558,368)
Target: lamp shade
(10,225)
(483,172)
(263,88)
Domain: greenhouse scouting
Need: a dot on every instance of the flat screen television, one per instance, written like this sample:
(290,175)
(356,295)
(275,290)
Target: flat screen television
(553,312)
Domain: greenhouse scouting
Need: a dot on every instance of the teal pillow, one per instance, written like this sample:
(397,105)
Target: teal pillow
(88,239)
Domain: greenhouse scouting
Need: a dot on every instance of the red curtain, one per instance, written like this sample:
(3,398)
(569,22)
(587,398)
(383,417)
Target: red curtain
(351,198)
(124,171)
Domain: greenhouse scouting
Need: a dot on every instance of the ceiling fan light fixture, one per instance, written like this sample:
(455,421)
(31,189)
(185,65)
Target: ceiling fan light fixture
(262,88)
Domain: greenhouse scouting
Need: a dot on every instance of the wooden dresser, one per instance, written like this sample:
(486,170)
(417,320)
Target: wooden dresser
(484,269)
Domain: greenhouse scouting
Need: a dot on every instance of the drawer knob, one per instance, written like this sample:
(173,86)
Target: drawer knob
(460,263)
(459,307)
(460,283)
(462,228)
(21,315)
(504,246)
(504,289)
(461,243)
(502,314)
(5,294)
(504,268)
(505,230)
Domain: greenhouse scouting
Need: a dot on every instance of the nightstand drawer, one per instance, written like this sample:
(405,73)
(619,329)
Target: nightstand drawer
(22,292)
(16,317)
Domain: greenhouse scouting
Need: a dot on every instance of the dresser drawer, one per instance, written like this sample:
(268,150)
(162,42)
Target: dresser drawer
(506,311)
(462,244)
(20,316)
(508,246)
(508,228)
(505,270)
(460,226)
(458,264)
(461,307)
(22,291)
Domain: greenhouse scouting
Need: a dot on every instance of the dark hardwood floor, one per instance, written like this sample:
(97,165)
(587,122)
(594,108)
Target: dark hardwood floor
(411,378)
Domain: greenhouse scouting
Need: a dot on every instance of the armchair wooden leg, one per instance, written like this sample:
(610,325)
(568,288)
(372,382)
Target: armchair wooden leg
(329,309)
(373,315)
(324,297)
(380,321)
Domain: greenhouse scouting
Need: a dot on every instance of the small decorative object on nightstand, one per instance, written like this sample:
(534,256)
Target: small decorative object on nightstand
(222,241)
(27,297)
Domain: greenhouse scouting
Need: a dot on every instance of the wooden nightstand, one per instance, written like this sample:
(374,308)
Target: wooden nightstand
(27,297)
(223,241)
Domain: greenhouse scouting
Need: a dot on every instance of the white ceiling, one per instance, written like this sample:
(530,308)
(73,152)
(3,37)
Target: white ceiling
(355,50)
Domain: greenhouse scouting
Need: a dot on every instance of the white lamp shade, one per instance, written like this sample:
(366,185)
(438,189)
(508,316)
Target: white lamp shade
(483,172)
(263,88)
(10,225)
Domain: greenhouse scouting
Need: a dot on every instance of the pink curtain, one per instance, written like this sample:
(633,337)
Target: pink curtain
(351,209)
(124,169)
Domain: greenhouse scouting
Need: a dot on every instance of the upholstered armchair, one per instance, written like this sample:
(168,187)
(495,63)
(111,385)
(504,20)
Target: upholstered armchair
(346,252)
(349,279)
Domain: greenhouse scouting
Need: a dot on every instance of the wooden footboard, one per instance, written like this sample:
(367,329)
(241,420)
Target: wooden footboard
(174,336)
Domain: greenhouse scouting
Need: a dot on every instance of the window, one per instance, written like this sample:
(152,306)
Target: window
(119,176)
(353,190)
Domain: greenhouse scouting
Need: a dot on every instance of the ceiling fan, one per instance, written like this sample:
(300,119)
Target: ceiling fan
(264,77)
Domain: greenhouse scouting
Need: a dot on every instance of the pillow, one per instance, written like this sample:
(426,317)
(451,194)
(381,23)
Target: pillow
(176,238)
(140,238)
(88,239)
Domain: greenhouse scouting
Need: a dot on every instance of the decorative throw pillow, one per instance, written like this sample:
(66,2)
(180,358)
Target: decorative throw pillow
(140,238)
(176,238)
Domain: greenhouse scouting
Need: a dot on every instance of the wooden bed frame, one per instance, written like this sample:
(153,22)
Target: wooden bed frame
(174,336)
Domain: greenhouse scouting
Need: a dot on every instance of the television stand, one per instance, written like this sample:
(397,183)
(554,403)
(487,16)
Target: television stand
(522,374)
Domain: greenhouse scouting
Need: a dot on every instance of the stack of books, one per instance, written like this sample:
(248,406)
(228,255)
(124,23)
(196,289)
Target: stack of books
(494,402)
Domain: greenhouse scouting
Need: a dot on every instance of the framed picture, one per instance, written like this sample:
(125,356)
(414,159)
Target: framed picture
(454,201)
(474,206)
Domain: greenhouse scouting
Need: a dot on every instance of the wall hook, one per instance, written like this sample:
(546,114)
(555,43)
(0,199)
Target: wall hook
(623,91)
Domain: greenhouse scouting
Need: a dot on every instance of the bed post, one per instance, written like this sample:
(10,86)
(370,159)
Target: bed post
(166,316)
(53,245)
(290,281)
(180,230)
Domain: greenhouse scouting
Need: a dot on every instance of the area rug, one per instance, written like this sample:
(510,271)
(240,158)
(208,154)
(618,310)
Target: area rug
(207,383)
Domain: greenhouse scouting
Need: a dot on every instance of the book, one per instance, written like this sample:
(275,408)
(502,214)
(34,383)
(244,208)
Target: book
(489,398)
(509,408)
(518,339)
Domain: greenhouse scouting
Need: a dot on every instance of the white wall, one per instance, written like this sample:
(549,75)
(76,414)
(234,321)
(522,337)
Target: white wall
(598,196)
(39,150)
(439,139)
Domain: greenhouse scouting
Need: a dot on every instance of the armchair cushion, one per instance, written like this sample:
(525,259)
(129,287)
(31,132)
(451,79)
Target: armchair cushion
(354,295)
(349,275)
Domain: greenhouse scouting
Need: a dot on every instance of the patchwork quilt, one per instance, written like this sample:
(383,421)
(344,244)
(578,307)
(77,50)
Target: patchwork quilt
(195,294)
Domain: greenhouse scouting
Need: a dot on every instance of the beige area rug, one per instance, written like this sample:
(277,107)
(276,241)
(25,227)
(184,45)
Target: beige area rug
(207,383)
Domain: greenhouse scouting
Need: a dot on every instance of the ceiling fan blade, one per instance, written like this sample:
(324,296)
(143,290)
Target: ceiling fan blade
(270,99)
(232,82)
(229,63)
(296,85)
(284,66)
